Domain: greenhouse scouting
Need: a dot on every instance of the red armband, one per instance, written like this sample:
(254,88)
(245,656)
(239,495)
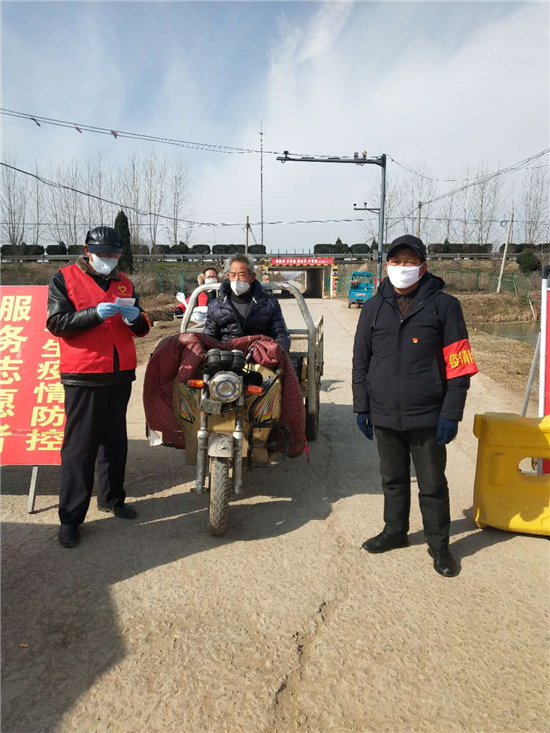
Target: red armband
(459,360)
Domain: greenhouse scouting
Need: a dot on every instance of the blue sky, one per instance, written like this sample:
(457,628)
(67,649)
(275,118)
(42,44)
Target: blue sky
(429,83)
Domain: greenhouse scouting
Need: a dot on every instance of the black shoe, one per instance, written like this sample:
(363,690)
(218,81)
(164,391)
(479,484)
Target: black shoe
(444,562)
(69,535)
(124,511)
(384,542)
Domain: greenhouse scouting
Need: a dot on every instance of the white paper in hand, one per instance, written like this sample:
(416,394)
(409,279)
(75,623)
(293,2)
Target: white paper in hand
(125,301)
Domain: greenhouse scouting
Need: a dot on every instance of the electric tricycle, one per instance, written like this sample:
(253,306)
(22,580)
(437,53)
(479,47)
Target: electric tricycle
(230,415)
(361,287)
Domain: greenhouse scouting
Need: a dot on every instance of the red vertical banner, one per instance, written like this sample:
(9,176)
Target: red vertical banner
(32,417)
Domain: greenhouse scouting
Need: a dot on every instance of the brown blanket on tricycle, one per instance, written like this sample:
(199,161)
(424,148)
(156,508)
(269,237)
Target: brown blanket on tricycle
(182,355)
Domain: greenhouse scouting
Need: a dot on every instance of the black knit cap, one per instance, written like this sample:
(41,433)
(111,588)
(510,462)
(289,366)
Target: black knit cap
(104,239)
(407,240)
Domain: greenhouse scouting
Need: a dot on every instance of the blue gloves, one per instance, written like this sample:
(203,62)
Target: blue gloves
(446,431)
(129,312)
(365,426)
(107,310)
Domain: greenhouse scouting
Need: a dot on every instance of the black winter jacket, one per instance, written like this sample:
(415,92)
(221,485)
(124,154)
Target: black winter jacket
(264,317)
(64,320)
(410,370)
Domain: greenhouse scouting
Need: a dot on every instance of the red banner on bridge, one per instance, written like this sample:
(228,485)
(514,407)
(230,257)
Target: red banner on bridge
(305,261)
(31,396)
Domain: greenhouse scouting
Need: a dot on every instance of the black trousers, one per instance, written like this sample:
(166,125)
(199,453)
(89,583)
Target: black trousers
(95,429)
(395,449)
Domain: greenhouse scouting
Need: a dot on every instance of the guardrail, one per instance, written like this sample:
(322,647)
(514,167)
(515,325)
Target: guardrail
(255,257)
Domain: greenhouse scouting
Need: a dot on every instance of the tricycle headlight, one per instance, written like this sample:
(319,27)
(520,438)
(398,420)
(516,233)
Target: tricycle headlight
(225,387)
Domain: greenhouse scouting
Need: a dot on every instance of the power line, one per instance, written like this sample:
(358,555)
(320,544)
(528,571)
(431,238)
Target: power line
(486,178)
(81,127)
(395,220)
(477,181)
(55,184)
(453,180)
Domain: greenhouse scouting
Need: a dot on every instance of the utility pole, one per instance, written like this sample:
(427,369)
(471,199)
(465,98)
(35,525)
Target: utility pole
(246,236)
(381,221)
(356,160)
(364,208)
(418,219)
(261,182)
(508,235)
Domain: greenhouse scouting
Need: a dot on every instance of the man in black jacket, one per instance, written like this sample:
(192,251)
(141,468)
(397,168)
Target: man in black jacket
(95,312)
(244,309)
(412,364)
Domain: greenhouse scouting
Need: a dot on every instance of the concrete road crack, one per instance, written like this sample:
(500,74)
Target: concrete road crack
(287,715)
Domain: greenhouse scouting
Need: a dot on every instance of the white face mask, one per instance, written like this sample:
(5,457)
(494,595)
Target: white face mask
(403,276)
(211,281)
(239,287)
(103,265)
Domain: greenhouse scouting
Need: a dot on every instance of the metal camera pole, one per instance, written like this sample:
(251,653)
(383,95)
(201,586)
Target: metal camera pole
(356,160)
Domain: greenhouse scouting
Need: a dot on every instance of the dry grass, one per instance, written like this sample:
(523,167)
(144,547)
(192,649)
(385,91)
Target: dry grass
(507,361)
(493,308)
(29,273)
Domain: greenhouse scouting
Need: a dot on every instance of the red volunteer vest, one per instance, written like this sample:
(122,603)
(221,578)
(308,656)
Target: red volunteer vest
(92,352)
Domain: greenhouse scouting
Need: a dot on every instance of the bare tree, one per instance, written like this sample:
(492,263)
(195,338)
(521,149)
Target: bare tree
(179,199)
(130,186)
(535,204)
(420,189)
(65,204)
(38,209)
(464,205)
(89,204)
(448,211)
(485,204)
(154,170)
(14,199)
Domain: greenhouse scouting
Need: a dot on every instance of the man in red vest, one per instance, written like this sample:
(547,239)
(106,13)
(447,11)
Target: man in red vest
(95,312)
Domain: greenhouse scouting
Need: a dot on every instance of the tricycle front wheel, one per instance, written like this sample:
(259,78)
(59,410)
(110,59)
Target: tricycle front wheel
(218,512)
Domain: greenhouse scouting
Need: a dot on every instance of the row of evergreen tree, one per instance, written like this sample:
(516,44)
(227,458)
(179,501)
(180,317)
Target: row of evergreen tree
(126,263)
(445,247)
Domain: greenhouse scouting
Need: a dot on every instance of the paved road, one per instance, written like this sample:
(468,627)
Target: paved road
(285,624)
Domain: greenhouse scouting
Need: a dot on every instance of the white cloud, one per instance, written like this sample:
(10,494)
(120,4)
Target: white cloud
(325,29)
(444,83)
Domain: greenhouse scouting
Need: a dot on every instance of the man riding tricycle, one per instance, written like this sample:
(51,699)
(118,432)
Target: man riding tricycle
(361,287)
(242,391)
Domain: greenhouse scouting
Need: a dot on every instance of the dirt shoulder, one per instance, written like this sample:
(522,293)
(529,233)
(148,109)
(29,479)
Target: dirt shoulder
(506,361)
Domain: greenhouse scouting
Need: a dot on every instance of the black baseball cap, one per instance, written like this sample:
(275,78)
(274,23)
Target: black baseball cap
(104,239)
(407,240)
